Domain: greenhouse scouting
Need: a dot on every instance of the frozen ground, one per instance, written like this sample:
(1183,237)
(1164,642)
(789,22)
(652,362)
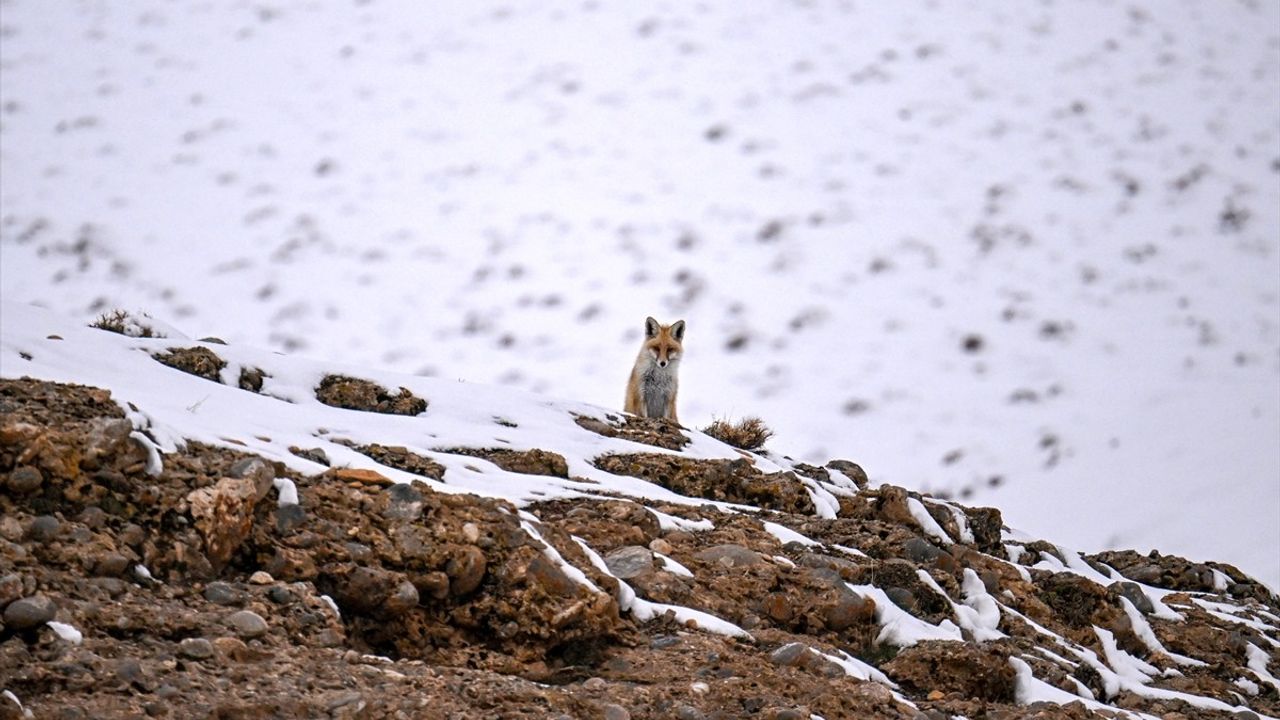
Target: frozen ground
(1026,254)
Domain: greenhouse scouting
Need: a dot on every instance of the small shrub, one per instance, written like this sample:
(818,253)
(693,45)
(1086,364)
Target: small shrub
(125,323)
(747,434)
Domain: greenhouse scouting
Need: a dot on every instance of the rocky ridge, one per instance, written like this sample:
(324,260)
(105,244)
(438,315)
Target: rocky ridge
(209,581)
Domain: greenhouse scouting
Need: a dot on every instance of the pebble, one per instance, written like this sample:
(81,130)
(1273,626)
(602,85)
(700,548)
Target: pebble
(659,545)
(261,578)
(111,565)
(248,624)
(689,712)
(281,595)
(44,528)
(629,561)
(730,555)
(10,588)
(220,593)
(29,612)
(25,479)
(616,712)
(196,648)
(594,683)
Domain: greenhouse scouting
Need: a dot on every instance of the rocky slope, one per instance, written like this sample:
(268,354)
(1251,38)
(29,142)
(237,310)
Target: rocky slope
(210,581)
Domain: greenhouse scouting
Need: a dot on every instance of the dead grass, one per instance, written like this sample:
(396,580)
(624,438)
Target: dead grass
(123,323)
(749,433)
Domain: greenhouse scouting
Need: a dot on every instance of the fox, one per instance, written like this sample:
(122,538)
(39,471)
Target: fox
(651,391)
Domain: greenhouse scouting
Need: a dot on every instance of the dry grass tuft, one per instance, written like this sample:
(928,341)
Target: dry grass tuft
(747,434)
(123,323)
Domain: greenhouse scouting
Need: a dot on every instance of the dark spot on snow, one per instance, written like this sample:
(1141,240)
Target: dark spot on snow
(972,343)
(856,406)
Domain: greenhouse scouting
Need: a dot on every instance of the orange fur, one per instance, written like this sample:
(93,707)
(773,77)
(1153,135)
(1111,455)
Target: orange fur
(651,391)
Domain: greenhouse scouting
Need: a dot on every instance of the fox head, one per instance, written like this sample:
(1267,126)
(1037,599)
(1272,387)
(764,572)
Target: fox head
(663,342)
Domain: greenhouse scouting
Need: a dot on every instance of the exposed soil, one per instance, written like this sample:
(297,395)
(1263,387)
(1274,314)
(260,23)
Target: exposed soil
(356,394)
(198,595)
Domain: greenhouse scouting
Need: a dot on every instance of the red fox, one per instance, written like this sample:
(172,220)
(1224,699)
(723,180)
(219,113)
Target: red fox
(651,391)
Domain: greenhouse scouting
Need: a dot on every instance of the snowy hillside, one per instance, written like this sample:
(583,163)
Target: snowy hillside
(608,568)
(1022,254)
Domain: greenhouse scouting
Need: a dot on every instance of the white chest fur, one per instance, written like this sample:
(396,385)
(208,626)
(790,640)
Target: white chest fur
(657,387)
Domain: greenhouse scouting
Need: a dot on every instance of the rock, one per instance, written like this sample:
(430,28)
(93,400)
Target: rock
(290,517)
(29,612)
(10,589)
(975,670)
(659,545)
(256,469)
(406,502)
(1134,594)
(44,528)
(360,476)
(799,655)
(615,712)
(629,561)
(281,595)
(223,513)
(220,593)
(261,578)
(247,624)
(851,470)
(466,570)
(689,712)
(24,480)
(112,565)
(921,551)
(730,556)
(357,394)
(232,648)
(196,648)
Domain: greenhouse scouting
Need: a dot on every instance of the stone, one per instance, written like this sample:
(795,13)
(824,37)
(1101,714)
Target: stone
(44,528)
(221,593)
(196,648)
(29,612)
(615,712)
(10,589)
(261,578)
(24,480)
(730,556)
(111,565)
(1134,594)
(223,513)
(466,570)
(629,561)
(689,712)
(921,551)
(660,545)
(247,624)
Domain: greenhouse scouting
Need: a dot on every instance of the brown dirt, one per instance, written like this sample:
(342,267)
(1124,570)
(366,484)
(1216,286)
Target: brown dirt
(356,394)
(648,431)
(472,617)
(198,361)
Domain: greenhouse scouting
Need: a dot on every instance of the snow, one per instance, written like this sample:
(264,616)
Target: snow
(645,610)
(286,491)
(670,523)
(66,632)
(837,197)
(1031,689)
(926,521)
(8,694)
(142,573)
(1257,663)
(900,628)
(154,465)
(671,565)
(332,605)
(786,534)
(1143,630)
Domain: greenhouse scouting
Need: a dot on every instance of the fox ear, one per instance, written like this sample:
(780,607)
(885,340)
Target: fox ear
(677,331)
(650,328)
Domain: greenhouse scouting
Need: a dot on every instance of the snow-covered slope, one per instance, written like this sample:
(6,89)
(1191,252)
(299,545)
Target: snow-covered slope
(1023,254)
(995,576)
